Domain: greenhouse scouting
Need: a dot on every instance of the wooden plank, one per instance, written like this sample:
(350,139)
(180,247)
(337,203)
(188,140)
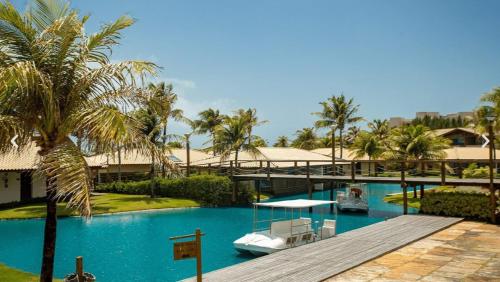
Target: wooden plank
(323,259)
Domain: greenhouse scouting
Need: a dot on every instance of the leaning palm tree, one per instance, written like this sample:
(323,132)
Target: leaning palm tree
(252,121)
(210,120)
(367,144)
(282,141)
(57,81)
(337,113)
(306,139)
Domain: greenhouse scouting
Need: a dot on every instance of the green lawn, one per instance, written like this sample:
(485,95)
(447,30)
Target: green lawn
(415,202)
(12,274)
(102,203)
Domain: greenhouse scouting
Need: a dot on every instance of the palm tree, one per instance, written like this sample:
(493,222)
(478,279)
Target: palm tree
(380,128)
(306,139)
(232,137)
(337,113)
(352,133)
(56,81)
(367,144)
(258,141)
(210,120)
(415,142)
(282,141)
(252,121)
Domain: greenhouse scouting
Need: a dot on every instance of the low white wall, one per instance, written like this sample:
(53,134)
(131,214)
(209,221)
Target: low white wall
(10,191)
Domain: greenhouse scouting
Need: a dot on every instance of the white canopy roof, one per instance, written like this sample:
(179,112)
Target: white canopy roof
(299,203)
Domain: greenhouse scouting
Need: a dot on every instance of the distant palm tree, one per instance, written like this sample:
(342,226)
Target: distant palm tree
(258,141)
(210,120)
(337,113)
(380,128)
(306,139)
(232,137)
(252,121)
(415,143)
(367,144)
(352,133)
(56,81)
(282,141)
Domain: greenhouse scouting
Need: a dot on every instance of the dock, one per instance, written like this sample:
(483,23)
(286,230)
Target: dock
(324,259)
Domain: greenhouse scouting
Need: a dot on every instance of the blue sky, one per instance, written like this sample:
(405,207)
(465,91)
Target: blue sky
(283,57)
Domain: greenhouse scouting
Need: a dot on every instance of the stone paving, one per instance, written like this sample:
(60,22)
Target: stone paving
(467,251)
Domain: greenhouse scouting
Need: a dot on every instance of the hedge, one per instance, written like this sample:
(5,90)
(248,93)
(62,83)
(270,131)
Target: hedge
(210,190)
(459,204)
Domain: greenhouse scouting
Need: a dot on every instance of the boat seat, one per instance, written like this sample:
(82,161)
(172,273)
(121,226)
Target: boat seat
(307,237)
(291,240)
(328,229)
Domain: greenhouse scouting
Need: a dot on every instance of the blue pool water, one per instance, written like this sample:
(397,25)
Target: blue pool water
(135,246)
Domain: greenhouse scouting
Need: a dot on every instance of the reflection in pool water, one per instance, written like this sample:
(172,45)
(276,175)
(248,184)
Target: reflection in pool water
(135,246)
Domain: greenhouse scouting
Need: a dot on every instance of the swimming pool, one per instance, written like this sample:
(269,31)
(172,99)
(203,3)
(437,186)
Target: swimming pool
(135,246)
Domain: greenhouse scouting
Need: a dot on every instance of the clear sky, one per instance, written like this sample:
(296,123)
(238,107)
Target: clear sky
(283,57)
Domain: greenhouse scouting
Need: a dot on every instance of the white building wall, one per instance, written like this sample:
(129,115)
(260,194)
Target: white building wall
(10,187)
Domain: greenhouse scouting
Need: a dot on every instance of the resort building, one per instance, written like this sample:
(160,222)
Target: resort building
(400,121)
(18,182)
(461,136)
(134,165)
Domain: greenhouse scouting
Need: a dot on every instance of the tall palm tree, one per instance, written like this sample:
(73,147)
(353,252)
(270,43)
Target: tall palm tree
(282,141)
(252,121)
(306,139)
(337,113)
(55,81)
(367,144)
(210,120)
(415,142)
(232,137)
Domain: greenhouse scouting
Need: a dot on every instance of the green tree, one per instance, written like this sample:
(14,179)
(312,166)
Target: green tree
(232,137)
(210,120)
(175,145)
(56,81)
(337,113)
(258,141)
(380,128)
(306,139)
(367,144)
(252,121)
(281,141)
(415,143)
(352,133)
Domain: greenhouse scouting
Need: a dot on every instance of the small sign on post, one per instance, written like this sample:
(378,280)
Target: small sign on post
(189,249)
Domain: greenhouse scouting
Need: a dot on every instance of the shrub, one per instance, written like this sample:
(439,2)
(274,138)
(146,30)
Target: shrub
(474,171)
(210,190)
(459,204)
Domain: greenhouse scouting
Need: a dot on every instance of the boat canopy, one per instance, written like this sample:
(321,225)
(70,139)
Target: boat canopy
(299,203)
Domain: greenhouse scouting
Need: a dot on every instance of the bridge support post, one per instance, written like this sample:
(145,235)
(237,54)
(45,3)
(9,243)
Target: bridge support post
(233,197)
(353,171)
(443,173)
(405,188)
(257,186)
(421,191)
(309,184)
(331,195)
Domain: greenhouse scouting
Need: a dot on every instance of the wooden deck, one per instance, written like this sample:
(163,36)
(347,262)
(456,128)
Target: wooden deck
(370,179)
(321,260)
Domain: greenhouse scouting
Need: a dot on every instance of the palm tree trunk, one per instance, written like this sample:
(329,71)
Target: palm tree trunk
(369,166)
(119,163)
(49,240)
(249,136)
(333,152)
(341,143)
(213,143)
(163,173)
(152,175)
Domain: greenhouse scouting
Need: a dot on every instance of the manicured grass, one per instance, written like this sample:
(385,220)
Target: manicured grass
(102,203)
(12,274)
(415,202)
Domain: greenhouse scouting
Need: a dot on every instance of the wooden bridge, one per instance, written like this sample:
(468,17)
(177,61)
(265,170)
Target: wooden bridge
(326,258)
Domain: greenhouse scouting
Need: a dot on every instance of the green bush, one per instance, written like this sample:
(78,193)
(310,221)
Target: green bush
(459,204)
(474,171)
(211,190)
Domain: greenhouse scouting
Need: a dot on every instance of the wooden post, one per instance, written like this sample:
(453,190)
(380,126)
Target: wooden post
(79,268)
(421,191)
(353,171)
(295,169)
(188,157)
(414,190)
(233,197)
(443,173)
(331,195)
(198,255)
(493,200)
(309,186)
(404,186)
(209,169)
(257,186)
(268,171)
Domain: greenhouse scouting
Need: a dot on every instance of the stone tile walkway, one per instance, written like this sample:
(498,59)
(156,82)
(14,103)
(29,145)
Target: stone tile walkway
(467,251)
